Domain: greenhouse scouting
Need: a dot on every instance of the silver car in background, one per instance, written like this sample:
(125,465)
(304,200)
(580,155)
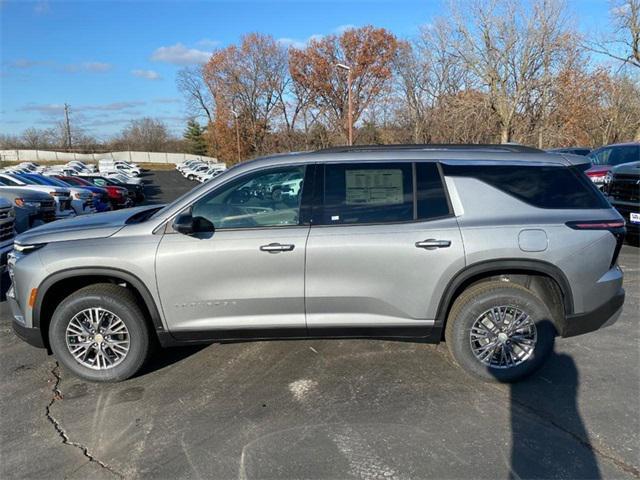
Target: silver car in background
(481,246)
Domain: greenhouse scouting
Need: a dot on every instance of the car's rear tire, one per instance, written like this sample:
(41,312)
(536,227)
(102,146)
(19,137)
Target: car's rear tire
(100,334)
(512,347)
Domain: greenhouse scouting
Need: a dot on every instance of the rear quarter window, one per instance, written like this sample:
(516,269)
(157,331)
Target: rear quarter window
(540,186)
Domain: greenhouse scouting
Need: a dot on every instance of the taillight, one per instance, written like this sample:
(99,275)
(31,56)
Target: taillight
(616,227)
(596,224)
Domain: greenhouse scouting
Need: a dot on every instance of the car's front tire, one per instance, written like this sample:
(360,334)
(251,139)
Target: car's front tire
(100,334)
(499,331)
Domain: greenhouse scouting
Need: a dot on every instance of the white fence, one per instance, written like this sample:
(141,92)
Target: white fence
(63,157)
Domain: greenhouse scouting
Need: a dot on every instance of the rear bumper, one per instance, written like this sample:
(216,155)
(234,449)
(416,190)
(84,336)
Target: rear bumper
(603,316)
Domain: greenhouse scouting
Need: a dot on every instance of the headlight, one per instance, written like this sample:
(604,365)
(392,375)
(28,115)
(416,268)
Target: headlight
(27,248)
(77,196)
(598,179)
(21,202)
(608,177)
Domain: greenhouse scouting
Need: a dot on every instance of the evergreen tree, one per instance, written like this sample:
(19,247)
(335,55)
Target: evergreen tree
(194,134)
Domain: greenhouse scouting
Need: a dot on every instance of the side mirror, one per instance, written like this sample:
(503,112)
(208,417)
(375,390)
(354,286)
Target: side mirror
(183,223)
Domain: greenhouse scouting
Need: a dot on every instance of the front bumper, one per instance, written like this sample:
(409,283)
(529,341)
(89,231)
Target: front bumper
(603,316)
(33,336)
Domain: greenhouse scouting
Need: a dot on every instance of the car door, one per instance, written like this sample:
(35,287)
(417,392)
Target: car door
(245,273)
(381,249)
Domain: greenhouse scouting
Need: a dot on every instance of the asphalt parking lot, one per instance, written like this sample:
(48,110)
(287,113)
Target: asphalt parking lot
(326,409)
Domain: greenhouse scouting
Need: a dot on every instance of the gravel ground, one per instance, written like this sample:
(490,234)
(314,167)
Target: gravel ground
(326,409)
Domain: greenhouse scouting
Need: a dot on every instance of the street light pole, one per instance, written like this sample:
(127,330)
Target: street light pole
(350,114)
(235,114)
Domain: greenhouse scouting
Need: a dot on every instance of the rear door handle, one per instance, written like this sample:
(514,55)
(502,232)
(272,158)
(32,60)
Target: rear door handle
(277,248)
(432,244)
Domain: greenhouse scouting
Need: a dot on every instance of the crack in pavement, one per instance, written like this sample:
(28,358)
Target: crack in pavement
(57,395)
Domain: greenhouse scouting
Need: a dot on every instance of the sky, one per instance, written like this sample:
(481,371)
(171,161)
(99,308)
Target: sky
(112,61)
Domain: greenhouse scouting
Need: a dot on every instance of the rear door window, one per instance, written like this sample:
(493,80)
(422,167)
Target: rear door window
(367,193)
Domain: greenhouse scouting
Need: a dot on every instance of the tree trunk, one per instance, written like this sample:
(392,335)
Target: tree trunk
(637,138)
(505,134)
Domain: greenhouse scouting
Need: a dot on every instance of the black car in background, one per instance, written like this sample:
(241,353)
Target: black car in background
(572,150)
(623,189)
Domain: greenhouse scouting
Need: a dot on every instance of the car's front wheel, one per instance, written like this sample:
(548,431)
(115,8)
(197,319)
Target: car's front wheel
(499,331)
(100,334)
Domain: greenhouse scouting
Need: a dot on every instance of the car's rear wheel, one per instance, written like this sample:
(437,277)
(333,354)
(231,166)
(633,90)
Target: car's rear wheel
(99,333)
(499,331)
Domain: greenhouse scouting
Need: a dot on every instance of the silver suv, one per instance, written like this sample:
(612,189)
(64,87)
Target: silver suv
(495,249)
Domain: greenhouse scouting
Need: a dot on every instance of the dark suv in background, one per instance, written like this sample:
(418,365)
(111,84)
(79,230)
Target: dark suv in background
(624,194)
(605,158)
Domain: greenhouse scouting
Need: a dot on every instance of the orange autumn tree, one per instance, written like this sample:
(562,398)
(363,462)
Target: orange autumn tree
(246,79)
(367,50)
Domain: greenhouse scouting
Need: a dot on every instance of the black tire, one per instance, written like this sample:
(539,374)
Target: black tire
(476,300)
(122,303)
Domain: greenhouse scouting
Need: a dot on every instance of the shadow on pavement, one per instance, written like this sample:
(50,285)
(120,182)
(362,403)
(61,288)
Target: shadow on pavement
(535,450)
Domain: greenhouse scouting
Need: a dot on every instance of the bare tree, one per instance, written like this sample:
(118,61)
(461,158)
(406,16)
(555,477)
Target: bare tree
(198,97)
(145,134)
(623,43)
(36,138)
(511,50)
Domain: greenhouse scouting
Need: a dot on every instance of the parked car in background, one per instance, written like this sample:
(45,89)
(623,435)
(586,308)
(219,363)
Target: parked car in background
(207,175)
(135,191)
(7,230)
(571,150)
(389,241)
(101,200)
(81,199)
(31,206)
(61,196)
(187,164)
(84,167)
(110,166)
(605,158)
(623,190)
(117,196)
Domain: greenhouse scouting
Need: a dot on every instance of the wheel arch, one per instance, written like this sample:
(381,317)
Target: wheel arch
(57,286)
(506,267)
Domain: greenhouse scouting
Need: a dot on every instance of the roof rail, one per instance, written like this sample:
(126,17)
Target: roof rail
(505,147)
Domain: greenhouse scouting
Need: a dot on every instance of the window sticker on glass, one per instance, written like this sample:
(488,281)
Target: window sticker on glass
(374,187)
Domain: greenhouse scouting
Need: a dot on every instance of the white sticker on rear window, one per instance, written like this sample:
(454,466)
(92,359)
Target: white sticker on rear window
(374,187)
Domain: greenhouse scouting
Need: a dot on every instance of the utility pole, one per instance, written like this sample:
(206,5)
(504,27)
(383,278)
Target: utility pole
(68,126)
(235,114)
(350,114)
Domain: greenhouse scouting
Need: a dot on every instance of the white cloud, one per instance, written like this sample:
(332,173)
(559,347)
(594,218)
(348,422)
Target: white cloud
(179,54)
(91,67)
(42,7)
(148,74)
(208,43)
(96,67)
(296,43)
(58,108)
(343,28)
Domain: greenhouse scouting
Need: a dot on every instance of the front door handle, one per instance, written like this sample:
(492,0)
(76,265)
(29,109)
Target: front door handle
(432,244)
(276,248)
